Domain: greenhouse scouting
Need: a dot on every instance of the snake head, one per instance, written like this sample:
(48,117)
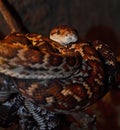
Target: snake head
(64,34)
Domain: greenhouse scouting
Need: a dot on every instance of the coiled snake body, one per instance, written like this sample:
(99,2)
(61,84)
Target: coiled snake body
(59,73)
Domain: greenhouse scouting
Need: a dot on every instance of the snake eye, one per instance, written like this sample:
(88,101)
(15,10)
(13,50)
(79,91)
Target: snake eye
(58,32)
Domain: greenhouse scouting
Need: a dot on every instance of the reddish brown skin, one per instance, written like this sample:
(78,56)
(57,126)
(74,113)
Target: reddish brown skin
(40,90)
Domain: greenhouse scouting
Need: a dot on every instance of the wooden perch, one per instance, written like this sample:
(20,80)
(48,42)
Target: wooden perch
(9,18)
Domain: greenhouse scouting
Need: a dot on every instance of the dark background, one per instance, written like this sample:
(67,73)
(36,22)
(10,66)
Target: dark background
(92,18)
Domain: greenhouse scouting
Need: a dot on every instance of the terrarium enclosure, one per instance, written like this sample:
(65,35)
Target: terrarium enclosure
(94,20)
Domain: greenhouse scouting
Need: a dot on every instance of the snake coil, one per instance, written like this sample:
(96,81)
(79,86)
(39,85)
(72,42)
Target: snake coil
(59,73)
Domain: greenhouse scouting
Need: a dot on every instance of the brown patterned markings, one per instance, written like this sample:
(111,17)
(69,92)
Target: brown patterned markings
(59,101)
(38,90)
(40,43)
(7,50)
(66,67)
(55,60)
(95,78)
(31,90)
(45,46)
(31,56)
(77,91)
(68,96)
(51,94)
(86,51)
(23,86)
(71,61)
(96,75)
(90,54)
(17,38)
(34,36)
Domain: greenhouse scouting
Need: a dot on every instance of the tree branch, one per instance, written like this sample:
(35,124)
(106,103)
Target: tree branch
(9,18)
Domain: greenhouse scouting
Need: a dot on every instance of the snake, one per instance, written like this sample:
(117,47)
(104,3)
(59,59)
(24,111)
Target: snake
(59,73)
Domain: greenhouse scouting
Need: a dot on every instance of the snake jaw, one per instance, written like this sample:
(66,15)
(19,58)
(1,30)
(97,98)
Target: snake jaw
(64,40)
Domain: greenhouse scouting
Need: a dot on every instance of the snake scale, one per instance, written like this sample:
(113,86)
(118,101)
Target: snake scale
(60,73)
